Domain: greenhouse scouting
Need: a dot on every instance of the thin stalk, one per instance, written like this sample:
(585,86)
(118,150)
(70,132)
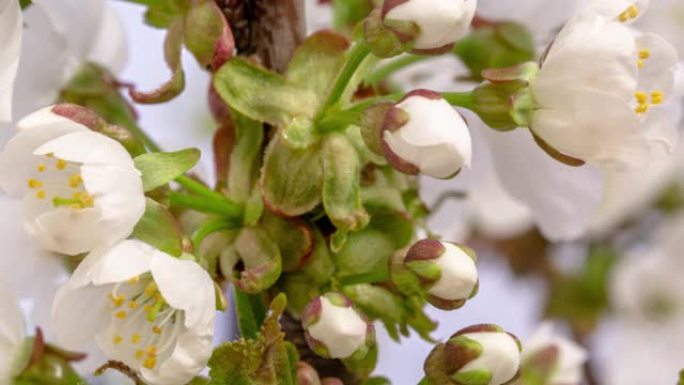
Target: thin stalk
(394,66)
(206,205)
(358,53)
(211,227)
(142,135)
(198,188)
(460,99)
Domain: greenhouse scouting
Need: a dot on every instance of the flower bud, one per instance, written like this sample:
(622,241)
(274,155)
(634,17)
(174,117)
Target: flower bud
(446,271)
(552,359)
(439,22)
(307,375)
(422,133)
(335,329)
(476,355)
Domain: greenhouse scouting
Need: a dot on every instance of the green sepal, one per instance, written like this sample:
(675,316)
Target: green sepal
(428,270)
(261,258)
(379,303)
(495,46)
(300,289)
(492,103)
(294,238)
(173,46)
(319,268)
(262,95)
(364,258)
(160,168)
(473,377)
(341,185)
(159,228)
(291,179)
(207,35)
(383,42)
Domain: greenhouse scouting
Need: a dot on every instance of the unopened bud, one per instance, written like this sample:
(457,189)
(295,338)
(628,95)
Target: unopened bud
(335,329)
(447,272)
(332,381)
(421,134)
(208,35)
(439,23)
(307,375)
(552,359)
(476,355)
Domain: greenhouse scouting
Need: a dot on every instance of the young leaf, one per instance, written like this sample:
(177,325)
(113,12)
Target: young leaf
(317,62)
(161,168)
(251,313)
(265,360)
(158,228)
(262,95)
(291,180)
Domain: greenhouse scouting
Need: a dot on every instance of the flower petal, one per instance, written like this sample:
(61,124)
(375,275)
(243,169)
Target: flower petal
(10,41)
(87,147)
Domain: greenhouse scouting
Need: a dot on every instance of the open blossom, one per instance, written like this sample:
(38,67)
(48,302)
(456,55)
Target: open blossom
(562,358)
(335,329)
(80,188)
(424,134)
(440,22)
(447,271)
(143,307)
(12,336)
(600,88)
(10,41)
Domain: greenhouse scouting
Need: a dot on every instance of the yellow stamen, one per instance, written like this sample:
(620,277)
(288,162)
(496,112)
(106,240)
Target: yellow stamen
(139,354)
(641,109)
(156,329)
(641,97)
(117,300)
(657,97)
(40,194)
(121,314)
(35,183)
(644,54)
(60,164)
(135,339)
(133,305)
(75,180)
(41,167)
(134,280)
(117,340)
(150,363)
(152,351)
(629,14)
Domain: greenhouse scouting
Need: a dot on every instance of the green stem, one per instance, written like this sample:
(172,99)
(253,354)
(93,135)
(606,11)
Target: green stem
(390,68)
(142,135)
(206,205)
(198,188)
(358,53)
(460,99)
(211,227)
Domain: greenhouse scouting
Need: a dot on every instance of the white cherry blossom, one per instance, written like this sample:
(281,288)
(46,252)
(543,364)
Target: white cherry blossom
(568,368)
(143,307)
(12,335)
(80,188)
(10,41)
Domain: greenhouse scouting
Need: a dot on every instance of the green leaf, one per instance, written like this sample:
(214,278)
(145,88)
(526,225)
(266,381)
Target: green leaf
(158,228)
(291,179)
(300,289)
(244,157)
(160,168)
(316,63)
(251,313)
(377,302)
(320,266)
(364,258)
(350,12)
(261,258)
(262,95)
(341,185)
(265,360)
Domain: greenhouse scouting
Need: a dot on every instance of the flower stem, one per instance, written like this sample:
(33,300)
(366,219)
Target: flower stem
(142,135)
(390,68)
(211,227)
(460,99)
(198,188)
(357,54)
(206,205)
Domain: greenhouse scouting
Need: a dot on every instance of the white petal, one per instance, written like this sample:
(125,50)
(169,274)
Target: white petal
(500,356)
(188,359)
(122,262)
(561,199)
(87,147)
(79,314)
(10,41)
(12,332)
(63,230)
(571,356)
(658,71)
(17,162)
(459,274)
(185,285)
(339,328)
(441,22)
(109,49)
(496,213)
